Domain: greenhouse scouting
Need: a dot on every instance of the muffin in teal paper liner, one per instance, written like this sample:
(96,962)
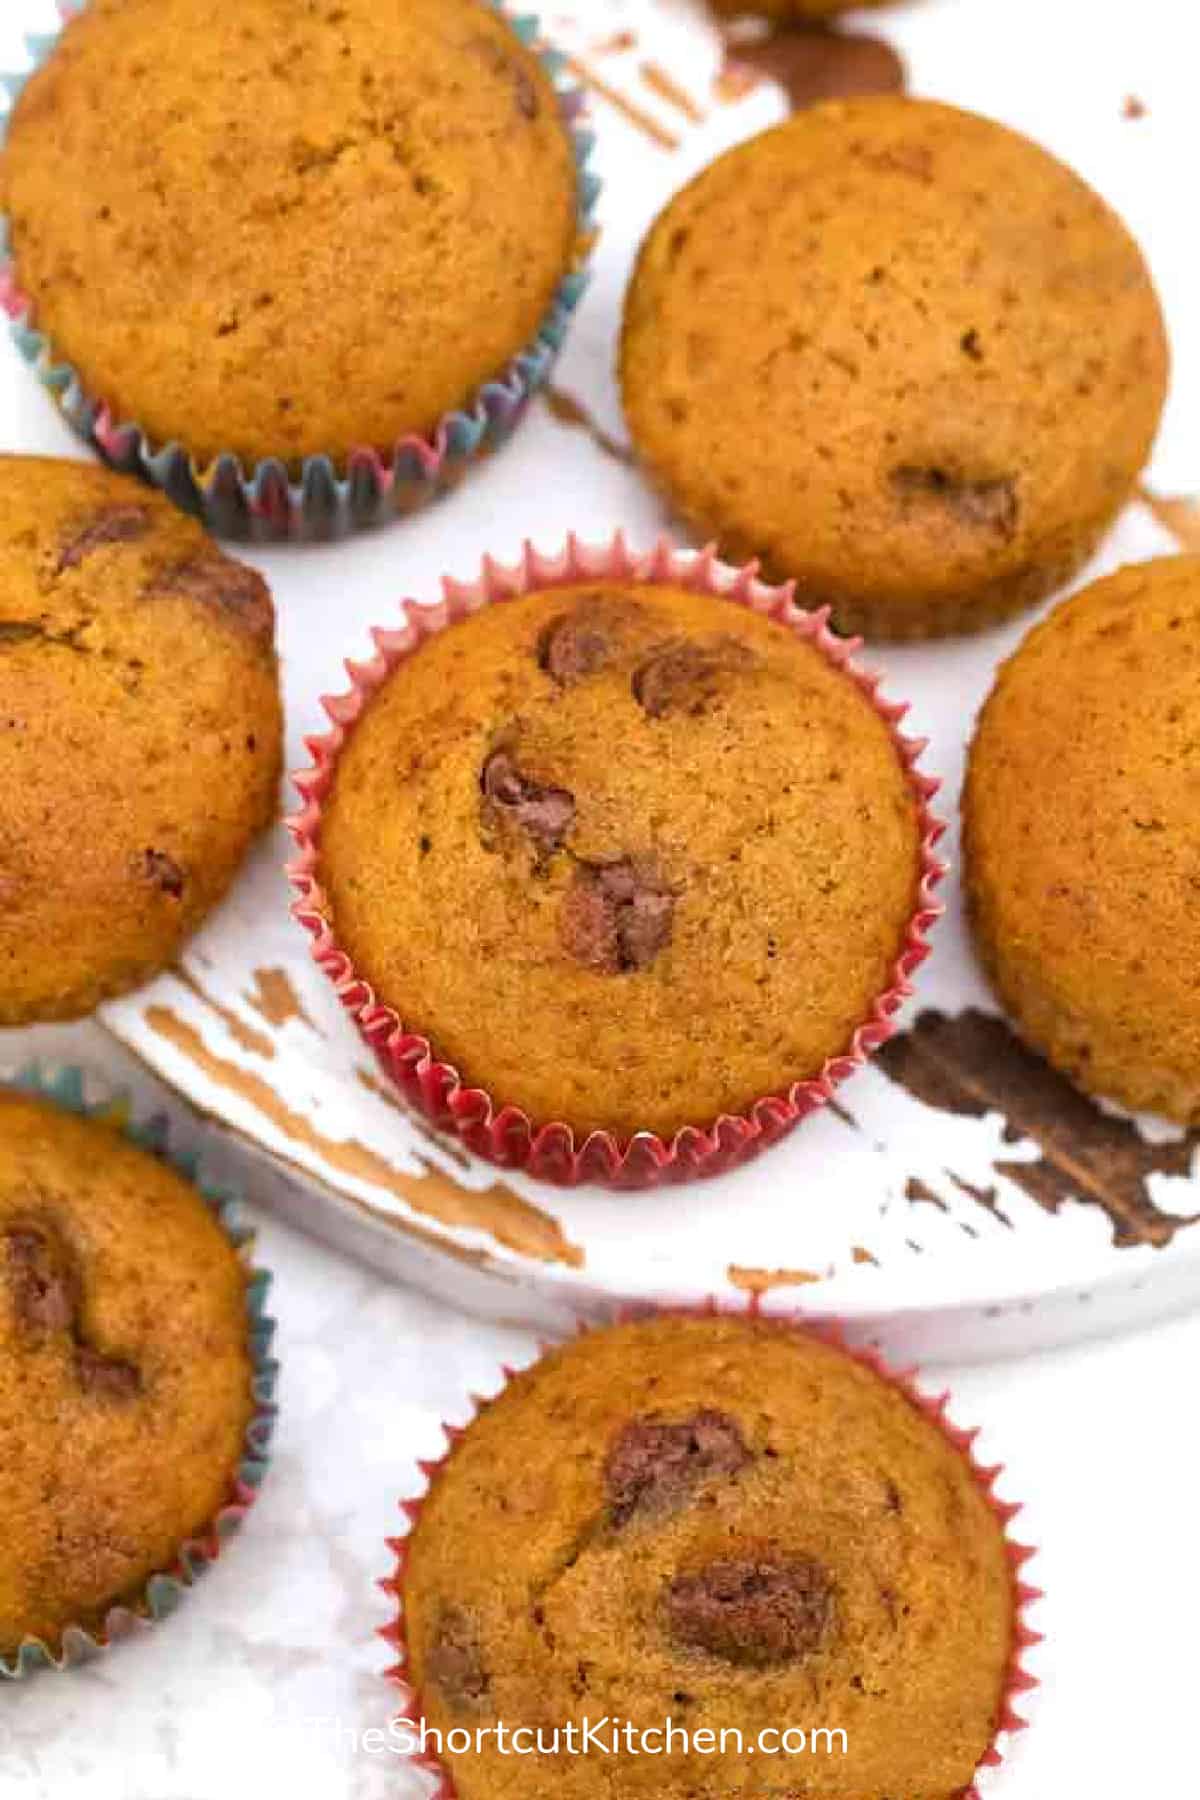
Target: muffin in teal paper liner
(136,1380)
(334,280)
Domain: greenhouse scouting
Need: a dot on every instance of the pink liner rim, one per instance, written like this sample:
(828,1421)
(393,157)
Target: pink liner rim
(505,1134)
(1018,1679)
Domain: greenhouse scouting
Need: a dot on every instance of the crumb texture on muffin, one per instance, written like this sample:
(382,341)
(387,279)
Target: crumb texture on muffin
(728,1524)
(903,355)
(125,1371)
(1081,827)
(140,732)
(629,856)
(288,230)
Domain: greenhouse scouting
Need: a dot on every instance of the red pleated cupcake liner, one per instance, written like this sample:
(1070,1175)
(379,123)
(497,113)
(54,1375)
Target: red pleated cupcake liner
(502,1133)
(1018,1680)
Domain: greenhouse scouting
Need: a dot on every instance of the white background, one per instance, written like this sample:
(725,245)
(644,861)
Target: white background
(1100,1441)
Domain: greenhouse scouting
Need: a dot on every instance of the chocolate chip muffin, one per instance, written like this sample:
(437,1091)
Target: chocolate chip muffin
(140,733)
(727,1524)
(125,1370)
(353,217)
(900,353)
(1081,840)
(629,856)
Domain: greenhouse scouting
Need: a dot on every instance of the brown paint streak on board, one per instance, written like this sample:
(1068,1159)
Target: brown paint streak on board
(1178,514)
(497,1210)
(921,1194)
(614,45)
(245,1036)
(668,89)
(637,115)
(973,1064)
(374,1084)
(276,999)
(567,409)
(812,63)
(762,1281)
(861,1255)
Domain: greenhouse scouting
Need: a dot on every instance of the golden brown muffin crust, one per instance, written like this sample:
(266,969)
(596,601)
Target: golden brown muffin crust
(569,1563)
(1082,837)
(629,856)
(125,1372)
(286,229)
(901,353)
(140,732)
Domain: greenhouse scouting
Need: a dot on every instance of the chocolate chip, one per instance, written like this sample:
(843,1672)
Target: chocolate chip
(687,676)
(106,1377)
(111,525)
(228,587)
(574,646)
(546,814)
(43,1287)
(502,63)
(528,104)
(616,917)
(163,872)
(654,1464)
(455,1661)
(989,504)
(752,1611)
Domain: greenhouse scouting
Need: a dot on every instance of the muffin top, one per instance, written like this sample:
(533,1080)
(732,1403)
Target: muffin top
(725,1523)
(317,227)
(125,1369)
(140,732)
(629,856)
(1082,823)
(902,354)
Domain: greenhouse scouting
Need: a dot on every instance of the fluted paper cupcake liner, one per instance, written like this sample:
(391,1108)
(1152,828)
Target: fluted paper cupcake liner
(71,1089)
(935,1407)
(264,502)
(503,1133)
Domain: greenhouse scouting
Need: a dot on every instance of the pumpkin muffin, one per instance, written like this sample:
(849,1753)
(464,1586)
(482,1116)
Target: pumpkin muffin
(901,354)
(351,217)
(728,1524)
(1082,837)
(629,856)
(140,732)
(125,1370)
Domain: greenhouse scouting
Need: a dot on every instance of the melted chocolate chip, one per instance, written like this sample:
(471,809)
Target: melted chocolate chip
(654,1465)
(572,647)
(46,1300)
(687,676)
(546,814)
(986,505)
(42,1283)
(752,1611)
(455,1661)
(163,872)
(106,1377)
(616,917)
(228,587)
(122,524)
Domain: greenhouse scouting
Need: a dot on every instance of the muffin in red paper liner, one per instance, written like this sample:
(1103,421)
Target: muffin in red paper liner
(653,843)
(726,1520)
(136,1381)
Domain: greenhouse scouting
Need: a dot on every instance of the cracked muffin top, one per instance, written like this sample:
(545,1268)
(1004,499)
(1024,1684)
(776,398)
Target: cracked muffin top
(900,353)
(125,1369)
(630,857)
(728,1524)
(318,226)
(1081,837)
(140,732)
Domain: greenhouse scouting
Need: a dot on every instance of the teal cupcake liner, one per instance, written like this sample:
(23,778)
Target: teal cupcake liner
(68,1087)
(263,503)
